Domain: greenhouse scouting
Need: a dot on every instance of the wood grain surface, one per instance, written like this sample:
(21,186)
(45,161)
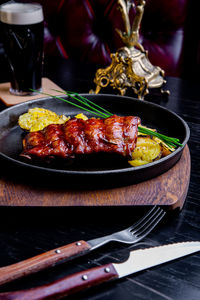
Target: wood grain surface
(169,189)
(8,99)
(42,261)
(65,286)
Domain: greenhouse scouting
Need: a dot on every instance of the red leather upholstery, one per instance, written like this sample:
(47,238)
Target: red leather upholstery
(85,30)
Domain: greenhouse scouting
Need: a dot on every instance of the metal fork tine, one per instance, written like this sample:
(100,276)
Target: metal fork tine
(133,233)
(134,226)
(151,225)
(151,215)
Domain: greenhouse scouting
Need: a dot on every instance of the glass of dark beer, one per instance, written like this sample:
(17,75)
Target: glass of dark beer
(23,32)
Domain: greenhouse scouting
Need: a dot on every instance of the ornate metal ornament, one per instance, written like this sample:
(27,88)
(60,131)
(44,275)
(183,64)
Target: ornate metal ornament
(130,66)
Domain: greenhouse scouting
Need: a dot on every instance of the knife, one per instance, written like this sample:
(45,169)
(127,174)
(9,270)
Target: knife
(138,260)
(130,235)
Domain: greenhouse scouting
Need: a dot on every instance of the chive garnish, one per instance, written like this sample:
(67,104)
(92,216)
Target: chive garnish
(99,111)
(88,103)
(171,142)
(67,101)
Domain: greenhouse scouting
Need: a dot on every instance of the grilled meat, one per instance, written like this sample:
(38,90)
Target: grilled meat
(112,135)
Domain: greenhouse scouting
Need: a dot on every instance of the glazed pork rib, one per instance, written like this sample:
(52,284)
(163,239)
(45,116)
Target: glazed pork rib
(112,135)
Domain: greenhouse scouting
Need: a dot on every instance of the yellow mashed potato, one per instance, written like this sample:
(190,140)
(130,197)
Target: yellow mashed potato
(38,118)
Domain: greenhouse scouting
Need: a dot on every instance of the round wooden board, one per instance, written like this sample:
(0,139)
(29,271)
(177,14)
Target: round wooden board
(169,189)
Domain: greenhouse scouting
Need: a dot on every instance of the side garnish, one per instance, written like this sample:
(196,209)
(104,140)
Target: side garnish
(38,118)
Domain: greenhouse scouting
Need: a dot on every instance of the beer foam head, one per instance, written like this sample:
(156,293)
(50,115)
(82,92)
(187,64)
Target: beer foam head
(21,13)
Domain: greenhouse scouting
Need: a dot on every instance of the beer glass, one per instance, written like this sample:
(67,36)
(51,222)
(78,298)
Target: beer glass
(23,32)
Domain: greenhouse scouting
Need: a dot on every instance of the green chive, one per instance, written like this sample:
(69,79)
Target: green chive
(168,140)
(79,106)
(82,101)
(87,102)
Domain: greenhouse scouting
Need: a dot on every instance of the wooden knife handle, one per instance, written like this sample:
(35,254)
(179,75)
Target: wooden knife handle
(65,286)
(42,261)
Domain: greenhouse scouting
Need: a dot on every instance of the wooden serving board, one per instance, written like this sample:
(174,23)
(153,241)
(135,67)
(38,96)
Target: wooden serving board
(169,189)
(8,99)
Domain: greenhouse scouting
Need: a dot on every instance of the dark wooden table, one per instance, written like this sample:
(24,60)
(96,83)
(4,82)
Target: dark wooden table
(28,231)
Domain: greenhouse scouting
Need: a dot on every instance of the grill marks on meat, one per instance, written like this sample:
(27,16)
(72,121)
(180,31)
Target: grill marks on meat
(112,135)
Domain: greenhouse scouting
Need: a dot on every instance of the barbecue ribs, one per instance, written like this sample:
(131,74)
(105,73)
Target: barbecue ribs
(112,135)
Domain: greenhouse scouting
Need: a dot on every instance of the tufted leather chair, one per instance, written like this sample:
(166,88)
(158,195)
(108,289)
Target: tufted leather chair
(85,30)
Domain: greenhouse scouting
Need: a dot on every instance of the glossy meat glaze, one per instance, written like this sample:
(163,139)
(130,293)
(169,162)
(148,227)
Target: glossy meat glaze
(112,135)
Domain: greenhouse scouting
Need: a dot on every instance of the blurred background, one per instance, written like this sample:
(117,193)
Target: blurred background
(85,31)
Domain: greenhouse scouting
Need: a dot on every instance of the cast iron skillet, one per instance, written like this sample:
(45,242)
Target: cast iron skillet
(93,170)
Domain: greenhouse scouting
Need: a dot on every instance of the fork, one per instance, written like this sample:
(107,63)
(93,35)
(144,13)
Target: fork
(131,235)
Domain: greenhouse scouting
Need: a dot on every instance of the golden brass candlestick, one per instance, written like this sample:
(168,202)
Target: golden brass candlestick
(130,66)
